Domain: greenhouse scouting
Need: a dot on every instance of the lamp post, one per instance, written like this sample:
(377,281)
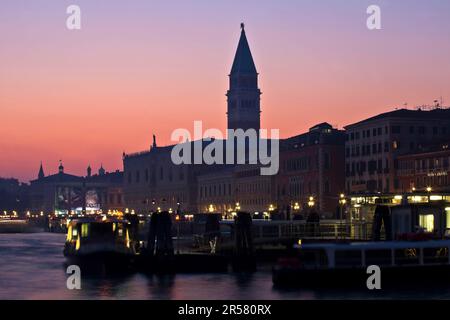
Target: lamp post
(429,189)
(342,202)
(311,202)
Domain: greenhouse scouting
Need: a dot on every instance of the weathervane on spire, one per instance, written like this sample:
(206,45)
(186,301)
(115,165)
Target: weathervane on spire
(242,26)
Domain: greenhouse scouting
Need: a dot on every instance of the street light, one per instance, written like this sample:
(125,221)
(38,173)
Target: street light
(342,202)
(311,201)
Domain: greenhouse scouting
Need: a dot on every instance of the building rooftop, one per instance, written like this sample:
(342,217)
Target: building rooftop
(437,113)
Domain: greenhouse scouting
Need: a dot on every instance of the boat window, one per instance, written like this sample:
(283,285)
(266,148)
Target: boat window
(348,258)
(69,233)
(407,256)
(100,230)
(435,255)
(447,216)
(378,257)
(84,230)
(426,221)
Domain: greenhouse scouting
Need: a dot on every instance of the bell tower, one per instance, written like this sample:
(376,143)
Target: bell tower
(243,96)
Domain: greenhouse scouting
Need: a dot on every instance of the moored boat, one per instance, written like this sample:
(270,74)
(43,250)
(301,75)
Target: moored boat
(104,242)
(331,264)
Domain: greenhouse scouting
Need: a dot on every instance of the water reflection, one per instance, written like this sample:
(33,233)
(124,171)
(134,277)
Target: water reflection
(33,267)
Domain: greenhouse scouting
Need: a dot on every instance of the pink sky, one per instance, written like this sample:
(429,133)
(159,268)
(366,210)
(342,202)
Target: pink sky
(151,67)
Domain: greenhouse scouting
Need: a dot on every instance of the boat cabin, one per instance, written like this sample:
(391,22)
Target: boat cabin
(383,253)
(95,235)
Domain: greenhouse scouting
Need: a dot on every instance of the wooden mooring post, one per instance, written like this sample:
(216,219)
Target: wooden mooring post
(243,257)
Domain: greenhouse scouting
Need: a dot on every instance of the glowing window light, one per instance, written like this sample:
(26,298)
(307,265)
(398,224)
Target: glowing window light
(69,233)
(426,221)
(77,246)
(435,198)
(84,230)
(447,218)
(127,239)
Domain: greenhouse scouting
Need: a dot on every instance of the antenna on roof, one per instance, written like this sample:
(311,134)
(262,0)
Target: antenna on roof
(436,104)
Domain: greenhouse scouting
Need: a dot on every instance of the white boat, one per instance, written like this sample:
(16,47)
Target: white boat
(342,264)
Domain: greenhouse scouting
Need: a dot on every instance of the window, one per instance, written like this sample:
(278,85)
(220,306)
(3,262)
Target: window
(327,160)
(447,219)
(396,129)
(84,230)
(327,187)
(426,221)
(435,130)
(181,174)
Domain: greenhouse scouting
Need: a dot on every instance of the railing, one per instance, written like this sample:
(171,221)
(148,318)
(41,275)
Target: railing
(192,235)
(305,230)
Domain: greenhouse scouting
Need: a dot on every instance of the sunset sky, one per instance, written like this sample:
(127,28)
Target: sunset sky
(143,67)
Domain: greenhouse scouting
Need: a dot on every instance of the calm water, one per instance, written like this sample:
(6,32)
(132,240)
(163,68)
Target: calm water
(32,267)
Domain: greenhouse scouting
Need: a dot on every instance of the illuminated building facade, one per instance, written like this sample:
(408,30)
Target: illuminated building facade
(64,193)
(311,171)
(428,169)
(373,146)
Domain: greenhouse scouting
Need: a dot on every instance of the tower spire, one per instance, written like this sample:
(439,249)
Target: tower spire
(41,174)
(243,60)
(243,96)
